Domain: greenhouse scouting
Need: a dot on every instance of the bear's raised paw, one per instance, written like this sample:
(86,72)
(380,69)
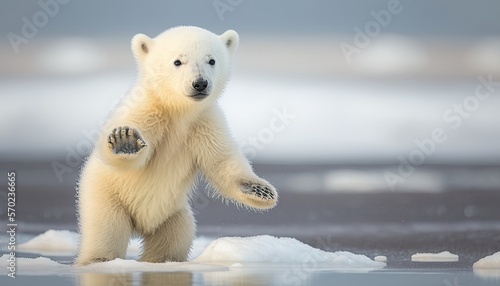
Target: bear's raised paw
(125,140)
(259,190)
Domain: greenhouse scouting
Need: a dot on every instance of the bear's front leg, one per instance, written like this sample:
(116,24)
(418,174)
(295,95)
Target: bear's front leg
(125,141)
(234,179)
(225,167)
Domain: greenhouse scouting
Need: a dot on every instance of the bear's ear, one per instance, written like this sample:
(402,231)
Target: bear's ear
(141,45)
(230,39)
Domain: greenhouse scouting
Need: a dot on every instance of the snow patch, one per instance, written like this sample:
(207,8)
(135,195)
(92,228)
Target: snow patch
(488,262)
(266,248)
(59,241)
(488,267)
(209,255)
(46,266)
(380,258)
(444,256)
(65,243)
(35,266)
(199,245)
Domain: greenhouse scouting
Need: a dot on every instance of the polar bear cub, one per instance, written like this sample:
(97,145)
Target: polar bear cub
(170,127)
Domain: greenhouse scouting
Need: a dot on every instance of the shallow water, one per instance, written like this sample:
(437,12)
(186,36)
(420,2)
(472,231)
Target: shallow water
(469,241)
(265,274)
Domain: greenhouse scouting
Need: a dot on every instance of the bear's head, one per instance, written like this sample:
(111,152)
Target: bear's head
(186,63)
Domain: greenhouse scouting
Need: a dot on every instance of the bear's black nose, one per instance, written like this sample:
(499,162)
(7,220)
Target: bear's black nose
(200,84)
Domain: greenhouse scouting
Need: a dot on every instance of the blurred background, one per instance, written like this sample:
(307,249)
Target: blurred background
(382,114)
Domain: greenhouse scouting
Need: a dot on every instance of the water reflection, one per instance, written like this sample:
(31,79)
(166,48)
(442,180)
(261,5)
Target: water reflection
(134,279)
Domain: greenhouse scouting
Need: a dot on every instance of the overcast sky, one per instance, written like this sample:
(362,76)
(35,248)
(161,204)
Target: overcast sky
(119,18)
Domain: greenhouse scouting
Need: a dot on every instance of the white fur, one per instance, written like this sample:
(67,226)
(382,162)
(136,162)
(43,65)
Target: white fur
(148,192)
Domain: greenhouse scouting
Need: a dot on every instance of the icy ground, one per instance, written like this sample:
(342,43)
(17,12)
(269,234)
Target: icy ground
(206,255)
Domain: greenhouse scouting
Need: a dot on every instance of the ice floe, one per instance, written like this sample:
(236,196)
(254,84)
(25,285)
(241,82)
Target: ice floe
(444,256)
(267,248)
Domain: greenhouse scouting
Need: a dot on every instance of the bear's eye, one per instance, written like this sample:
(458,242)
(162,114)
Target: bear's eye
(211,62)
(177,63)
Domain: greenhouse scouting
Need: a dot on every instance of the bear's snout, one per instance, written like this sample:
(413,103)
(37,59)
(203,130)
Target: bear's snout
(200,86)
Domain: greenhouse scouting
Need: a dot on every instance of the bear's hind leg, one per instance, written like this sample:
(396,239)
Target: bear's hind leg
(104,235)
(172,240)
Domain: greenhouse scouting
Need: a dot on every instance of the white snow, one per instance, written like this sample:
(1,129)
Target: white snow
(34,266)
(488,267)
(46,266)
(488,262)
(52,241)
(380,258)
(199,245)
(266,248)
(208,254)
(444,256)
(65,243)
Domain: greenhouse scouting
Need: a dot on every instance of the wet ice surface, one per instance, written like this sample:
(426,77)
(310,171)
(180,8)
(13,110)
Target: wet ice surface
(272,260)
(329,223)
(262,260)
(219,252)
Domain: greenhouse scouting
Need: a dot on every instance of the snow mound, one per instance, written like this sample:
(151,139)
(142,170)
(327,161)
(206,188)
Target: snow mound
(488,267)
(266,248)
(52,241)
(488,262)
(444,256)
(35,266)
(199,245)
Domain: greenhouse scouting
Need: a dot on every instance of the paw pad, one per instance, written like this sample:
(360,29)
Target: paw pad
(125,140)
(259,190)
